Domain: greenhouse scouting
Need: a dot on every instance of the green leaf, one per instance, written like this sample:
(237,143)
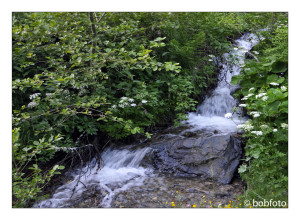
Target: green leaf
(280,80)
(272,78)
(242,168)
(255,155)
(279,67)
(235,80)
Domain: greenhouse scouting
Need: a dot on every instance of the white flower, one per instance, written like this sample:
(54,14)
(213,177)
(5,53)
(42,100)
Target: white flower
(211,55)
(247,96)
(242,105)
(284,125)
(274,84)
(256,115)
(32,104)
(264,126)
(228,115)
(123,99)
(251,89)
(283,88)
(255,52)
(274,130)
(257,132)
(235,48)
(144,101)
(260,95)
(113,107)
(121,105)
(265,98)
(252,113)
(210,60)
(133,104)
(33,96)
(247,126)
(240,126)
(131,100)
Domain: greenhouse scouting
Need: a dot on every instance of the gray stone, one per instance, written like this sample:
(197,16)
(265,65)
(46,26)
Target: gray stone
(213,157)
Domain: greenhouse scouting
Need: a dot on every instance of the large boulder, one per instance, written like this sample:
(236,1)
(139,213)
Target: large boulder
(206,155)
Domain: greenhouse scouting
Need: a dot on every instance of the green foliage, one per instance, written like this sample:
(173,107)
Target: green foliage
(265,93)
(67,80)
(119,77)
(28,178)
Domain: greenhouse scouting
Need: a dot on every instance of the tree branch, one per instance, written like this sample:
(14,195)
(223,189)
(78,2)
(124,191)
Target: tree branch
(101,17)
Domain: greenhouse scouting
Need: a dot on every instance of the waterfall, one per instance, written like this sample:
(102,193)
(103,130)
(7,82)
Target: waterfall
(121,170)
(210,114)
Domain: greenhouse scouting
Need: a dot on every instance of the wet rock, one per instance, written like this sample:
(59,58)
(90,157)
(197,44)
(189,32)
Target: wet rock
(189,134)
(209,157)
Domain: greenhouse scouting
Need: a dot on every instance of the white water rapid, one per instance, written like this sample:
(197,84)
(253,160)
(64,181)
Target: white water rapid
(210,114)
(122,168)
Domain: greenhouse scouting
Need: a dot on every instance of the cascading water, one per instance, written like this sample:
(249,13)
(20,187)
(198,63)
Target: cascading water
(122,169)
(210,114)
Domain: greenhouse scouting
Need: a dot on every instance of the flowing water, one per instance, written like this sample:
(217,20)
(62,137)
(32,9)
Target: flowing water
(122,169)
(210,114)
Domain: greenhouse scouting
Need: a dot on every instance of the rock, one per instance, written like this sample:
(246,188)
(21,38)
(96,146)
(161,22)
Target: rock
(209,157)
(189,134)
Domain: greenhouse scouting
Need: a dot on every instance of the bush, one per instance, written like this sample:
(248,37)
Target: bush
(264,91)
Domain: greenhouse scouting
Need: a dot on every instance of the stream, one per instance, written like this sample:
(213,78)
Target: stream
(168,167)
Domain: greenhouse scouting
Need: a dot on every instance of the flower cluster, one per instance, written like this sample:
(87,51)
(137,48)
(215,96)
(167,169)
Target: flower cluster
(32,104)
(246,126)
(260,95)
(258,133)
(255,114)
(283,88)
(33,96)
(284,125)
(265,98)
(125,101)
(247,96)
(264,126)
(263,95)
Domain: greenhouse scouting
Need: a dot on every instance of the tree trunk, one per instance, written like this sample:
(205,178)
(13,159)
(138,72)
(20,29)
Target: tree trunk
(93,27)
